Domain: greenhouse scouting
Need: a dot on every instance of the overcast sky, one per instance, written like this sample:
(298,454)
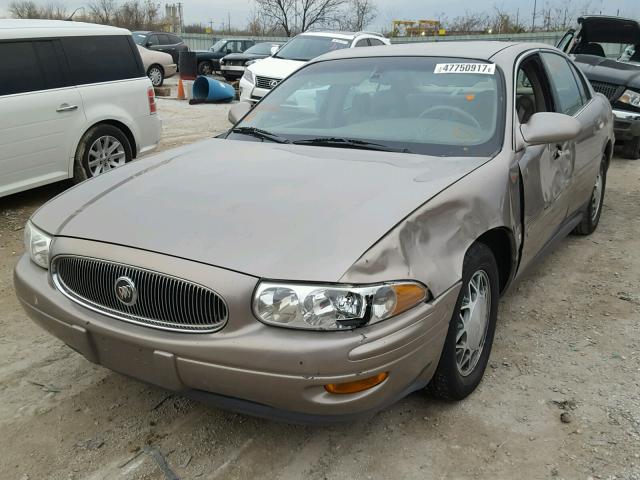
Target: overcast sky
(218,11)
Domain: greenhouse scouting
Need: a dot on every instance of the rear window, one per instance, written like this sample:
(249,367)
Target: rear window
(101,59)
(29,66)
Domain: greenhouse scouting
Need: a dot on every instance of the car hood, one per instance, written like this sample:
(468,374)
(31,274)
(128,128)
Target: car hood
(270,210)
(602,69)
(275,67)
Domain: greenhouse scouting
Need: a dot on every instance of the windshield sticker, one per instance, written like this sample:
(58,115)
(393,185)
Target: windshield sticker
(337,40)
(485,68)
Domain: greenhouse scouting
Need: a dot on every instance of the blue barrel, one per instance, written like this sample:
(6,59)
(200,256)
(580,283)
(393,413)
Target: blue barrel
(212,90)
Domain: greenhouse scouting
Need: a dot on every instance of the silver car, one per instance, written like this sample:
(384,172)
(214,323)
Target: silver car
(347,242)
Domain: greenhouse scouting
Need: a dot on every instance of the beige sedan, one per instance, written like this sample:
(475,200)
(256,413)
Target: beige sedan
(158,65)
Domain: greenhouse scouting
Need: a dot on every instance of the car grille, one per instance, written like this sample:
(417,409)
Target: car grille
(163,301)
(234,63)
(609,90)
(266,82)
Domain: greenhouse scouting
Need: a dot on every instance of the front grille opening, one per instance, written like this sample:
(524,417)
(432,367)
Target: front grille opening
(609,90)
(162,301)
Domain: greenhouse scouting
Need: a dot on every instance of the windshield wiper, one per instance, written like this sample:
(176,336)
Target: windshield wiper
(259,133)
(349,143)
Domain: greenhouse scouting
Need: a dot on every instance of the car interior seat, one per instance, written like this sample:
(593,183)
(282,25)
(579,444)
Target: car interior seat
(525,107)
(592,49)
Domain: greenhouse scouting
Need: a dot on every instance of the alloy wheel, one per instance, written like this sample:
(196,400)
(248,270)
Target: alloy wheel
(596,196)
(473,321)
(155,75)
(105,154)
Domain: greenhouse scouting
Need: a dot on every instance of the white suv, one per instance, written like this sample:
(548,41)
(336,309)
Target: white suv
(263,75)
(74,102)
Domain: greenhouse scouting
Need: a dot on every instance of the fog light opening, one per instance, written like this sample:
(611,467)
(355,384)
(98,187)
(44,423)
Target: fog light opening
(356,386)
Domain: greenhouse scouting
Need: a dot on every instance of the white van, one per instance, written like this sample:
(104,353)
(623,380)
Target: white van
(74,102)
(260,77)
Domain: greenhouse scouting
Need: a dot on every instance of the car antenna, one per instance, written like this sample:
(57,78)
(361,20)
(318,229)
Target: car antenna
(70,17)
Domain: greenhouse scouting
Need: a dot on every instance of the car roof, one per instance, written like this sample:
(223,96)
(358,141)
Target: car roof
(480,50)
(19,28)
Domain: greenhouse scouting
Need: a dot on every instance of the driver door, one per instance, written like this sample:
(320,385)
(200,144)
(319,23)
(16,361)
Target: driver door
(545,170)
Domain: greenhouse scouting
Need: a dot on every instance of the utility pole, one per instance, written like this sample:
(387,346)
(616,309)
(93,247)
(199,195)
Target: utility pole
(533,19)
(229,22)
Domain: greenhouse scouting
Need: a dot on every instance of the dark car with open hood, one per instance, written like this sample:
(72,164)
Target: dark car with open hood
(607,50)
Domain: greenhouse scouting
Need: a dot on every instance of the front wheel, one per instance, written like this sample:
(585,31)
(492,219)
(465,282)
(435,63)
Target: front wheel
(470,336)
(594,209)
(103,148)
(156,75)
(205,68)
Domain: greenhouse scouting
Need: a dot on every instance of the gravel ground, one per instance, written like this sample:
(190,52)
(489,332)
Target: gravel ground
(560,399)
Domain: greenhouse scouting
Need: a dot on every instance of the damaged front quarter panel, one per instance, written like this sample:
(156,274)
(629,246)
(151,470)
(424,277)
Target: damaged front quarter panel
(429,245)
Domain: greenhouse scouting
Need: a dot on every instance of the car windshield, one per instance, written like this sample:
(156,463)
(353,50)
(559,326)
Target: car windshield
(306,47)
(139,38)
(414,104)
(260,49)
(216,47)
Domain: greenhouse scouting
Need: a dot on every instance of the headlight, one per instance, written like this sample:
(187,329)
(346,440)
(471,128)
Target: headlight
(222,61)
(630,97)
(334,307)
(36,243)
(248,76)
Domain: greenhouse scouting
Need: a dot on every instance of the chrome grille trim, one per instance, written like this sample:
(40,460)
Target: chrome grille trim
(164,302)
(609,90)
(264,82)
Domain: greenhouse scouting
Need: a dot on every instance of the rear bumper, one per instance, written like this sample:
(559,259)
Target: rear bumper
(247,366)
(626,125)
(149,133)
(170,70)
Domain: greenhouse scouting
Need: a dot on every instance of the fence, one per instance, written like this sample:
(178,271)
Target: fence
(202,41)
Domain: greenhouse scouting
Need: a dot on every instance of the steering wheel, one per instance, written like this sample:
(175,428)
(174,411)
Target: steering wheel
(455,111)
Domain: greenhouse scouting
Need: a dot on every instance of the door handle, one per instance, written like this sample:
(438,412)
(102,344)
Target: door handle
(65,107)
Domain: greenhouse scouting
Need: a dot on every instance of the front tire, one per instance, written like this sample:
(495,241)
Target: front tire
(156,75)
(631,149)
(103,148)
(471,330)
(594,209)
(205,68)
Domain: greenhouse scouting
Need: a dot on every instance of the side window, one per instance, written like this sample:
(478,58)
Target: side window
(375,42)
(582,84)
(563,82)
(153,40)
(20,70)
(532,89)
(565,41)
(364,42)
(49,62)
(100,59)
(174,39)
(165,39)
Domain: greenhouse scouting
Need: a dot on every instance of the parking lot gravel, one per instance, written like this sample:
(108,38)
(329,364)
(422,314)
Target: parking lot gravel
(560,398)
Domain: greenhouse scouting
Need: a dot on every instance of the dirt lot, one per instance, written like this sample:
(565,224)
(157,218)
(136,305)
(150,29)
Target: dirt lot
(568,343)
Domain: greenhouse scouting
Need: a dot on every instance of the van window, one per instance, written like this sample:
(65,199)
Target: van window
(20,71)
(101,59)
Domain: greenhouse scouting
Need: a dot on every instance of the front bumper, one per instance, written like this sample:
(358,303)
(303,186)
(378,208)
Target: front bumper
(246,366)
(250,93)
(626,124)
(235,71)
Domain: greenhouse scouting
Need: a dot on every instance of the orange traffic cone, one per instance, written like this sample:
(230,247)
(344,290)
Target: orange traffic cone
(181,95)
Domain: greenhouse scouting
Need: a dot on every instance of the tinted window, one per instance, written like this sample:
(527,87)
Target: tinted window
(153,40)
(100,59)
(362,43)
(173,39)
(49,63)
(165,39)
(563,83)
(20,70)
(375,42)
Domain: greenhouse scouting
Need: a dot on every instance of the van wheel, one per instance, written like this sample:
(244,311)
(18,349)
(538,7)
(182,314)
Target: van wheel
(468,344)
(594,209)
(631,149)
(103,148)
(205,68)
(156,75)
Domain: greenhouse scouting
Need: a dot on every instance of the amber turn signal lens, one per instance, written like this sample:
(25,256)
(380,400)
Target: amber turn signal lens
(408,295)
(358,385)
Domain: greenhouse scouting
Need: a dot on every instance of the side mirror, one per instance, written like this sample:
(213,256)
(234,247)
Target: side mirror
(274,49)
(238,111)
(549,127)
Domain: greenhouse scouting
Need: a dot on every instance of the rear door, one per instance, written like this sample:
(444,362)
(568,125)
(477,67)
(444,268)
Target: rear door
(41,115)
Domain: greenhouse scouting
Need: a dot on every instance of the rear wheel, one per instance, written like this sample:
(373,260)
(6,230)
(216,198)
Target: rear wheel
(471,329)
(594,209)
(156,75)
(103,148)
(631,149)
(205,68)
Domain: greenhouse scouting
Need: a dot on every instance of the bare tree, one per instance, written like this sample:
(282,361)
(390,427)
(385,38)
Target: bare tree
(358,14)
(24,9)
(103,11)
(294,16)
(55,11)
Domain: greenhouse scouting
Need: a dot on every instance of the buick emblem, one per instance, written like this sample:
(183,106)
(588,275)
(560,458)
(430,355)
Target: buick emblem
(126,291)
(273,83)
